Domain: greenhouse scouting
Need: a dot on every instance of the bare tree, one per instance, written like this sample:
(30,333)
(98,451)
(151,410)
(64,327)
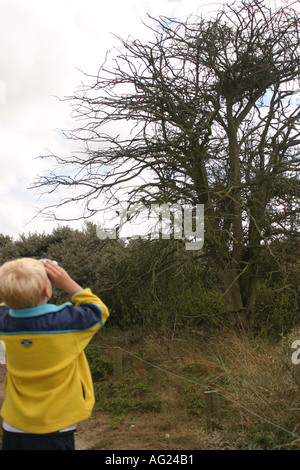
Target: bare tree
(212,114)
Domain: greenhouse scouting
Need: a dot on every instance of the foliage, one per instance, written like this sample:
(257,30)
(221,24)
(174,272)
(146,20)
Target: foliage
(204,113)
(259,397)
(101,367)
(172,295)
(258,374)
(158,284)
(277,309)
(128,396)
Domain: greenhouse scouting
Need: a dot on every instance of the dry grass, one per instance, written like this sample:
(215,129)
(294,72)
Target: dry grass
(251,372)
(151,409)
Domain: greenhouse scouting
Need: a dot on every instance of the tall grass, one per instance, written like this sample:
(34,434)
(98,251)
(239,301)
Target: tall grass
(256,376)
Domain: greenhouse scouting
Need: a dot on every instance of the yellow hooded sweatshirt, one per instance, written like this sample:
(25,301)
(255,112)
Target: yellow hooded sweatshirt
(48,385)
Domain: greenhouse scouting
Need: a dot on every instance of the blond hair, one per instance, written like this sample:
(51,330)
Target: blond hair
(22,283)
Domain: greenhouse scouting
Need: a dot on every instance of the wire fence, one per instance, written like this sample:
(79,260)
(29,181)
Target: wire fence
(117,357)
(118,372)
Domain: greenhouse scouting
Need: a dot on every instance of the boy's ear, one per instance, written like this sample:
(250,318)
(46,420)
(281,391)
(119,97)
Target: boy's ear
(48,290)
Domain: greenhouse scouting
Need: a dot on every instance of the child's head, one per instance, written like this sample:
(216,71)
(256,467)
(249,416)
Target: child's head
(23,283)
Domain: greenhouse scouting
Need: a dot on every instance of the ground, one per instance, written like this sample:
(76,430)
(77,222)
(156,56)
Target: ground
(159,401)
(145,432)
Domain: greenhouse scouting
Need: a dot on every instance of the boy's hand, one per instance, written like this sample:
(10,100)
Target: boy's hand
(60,278)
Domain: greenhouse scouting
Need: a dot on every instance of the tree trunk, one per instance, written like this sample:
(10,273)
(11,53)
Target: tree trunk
(228,279)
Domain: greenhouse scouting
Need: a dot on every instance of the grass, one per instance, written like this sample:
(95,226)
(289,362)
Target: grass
(252,372)
(152,409)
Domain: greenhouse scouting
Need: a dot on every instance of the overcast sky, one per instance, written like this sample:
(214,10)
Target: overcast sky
(44,45)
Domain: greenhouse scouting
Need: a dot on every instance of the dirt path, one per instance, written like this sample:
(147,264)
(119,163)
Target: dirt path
(138,432)
(104,433)
(145,432)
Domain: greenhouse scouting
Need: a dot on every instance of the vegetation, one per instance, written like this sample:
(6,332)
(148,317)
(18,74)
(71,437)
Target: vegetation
(213,118)
(167,310)
(159,284)
(259,399)
(206,112)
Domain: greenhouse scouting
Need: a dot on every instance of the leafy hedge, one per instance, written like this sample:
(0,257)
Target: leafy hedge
(157,284)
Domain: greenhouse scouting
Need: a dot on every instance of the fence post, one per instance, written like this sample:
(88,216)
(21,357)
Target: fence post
(117,357)
(212,408)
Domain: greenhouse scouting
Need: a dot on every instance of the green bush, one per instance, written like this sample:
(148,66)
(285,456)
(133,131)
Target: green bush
(158,284)
(276,310)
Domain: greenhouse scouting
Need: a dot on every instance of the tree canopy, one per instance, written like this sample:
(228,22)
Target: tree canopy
(205,113)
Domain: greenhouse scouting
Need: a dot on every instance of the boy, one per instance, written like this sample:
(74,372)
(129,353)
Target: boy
(48,386)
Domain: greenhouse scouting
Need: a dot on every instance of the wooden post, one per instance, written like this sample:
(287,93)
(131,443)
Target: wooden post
(212,408)
(117,356)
